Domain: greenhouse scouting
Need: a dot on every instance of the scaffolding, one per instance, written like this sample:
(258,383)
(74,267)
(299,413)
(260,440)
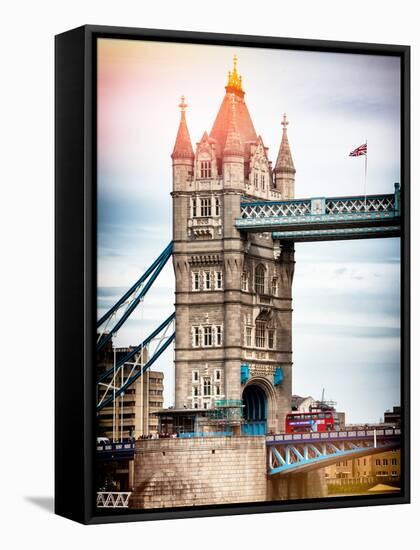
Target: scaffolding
(225,414)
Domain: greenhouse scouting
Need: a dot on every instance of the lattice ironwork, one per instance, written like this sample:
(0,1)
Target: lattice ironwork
(112,499)
(275,209)
(380,203)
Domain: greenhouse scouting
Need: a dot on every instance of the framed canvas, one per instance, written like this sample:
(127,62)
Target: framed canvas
(232,274)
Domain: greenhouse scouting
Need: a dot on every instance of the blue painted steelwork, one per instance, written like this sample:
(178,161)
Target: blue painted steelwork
(278,376)
(294,453)
(324,218)
(136,350)
(152,274)
(255,411)
(135,376)
(115,451)
(338,234)
(189,435)
(129,292)
(244,373)
(254,428)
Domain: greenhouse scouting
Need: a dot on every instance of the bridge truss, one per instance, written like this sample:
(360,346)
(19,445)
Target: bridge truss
(295,453)
(324,219)
(113,382)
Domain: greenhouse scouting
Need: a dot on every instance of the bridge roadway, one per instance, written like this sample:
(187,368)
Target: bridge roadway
(296,453)
(324,218)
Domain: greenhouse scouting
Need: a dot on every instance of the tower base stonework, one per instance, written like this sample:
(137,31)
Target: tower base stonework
(298,486)
(199,471)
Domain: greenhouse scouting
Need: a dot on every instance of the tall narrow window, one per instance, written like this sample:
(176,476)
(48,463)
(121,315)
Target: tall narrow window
(244,281)
(219,280)
(195,375)
(196,337)
(193,208)
(260,279)
(195,391)
(196,280)
(207,280)
(248,336)
(270,334)
(256,180)
(274,286)
(260,334)
(205,210)
(217,206)
(217,374)
(207,336)
(217,390)
(206,387)
(218,334)
(263,181)
(205,169)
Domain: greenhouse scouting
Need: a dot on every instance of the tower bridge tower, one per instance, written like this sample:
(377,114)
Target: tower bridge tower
(233,295)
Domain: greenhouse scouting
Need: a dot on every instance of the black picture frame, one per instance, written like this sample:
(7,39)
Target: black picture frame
(75,269)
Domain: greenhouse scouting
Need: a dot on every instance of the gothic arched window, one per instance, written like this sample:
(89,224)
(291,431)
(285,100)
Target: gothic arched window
(260,279)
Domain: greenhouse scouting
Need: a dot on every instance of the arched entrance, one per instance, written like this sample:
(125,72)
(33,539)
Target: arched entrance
(254,411)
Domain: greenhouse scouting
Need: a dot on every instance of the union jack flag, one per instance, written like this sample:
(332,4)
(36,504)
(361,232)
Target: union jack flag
(359,151)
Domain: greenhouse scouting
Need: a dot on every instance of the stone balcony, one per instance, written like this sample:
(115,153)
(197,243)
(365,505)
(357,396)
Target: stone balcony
(204,227)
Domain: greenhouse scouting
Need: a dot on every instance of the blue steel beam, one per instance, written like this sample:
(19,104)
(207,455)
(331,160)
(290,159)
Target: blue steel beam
(293,453)
(137,349)
(135,376)
(135,302)
(321,461)
(350,233)
(131,290)
(324,218)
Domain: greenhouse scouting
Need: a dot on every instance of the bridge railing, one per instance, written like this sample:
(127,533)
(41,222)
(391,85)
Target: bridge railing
(110,499)
(335,436)
(356,205)
(109,447)
(279,208)
(320,207)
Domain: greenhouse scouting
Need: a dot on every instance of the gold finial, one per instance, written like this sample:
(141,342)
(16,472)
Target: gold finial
(182,105)
(284,122)
(234,80)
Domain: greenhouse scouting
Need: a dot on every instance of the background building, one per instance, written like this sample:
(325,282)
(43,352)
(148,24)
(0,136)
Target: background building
(372,469)
(393,417)
(301,404)
(132,414)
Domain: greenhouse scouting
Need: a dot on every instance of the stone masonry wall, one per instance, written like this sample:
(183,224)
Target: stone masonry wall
(199,471)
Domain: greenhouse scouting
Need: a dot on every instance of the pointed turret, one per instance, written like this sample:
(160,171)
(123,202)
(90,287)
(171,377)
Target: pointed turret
(244,126)
(183,154)
(233,146)
(284,171)
(183,147)
(233,152)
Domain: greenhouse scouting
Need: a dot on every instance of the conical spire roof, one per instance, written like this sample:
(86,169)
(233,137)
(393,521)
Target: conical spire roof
(244,126)
(233,145)
(183,147)
(284,161)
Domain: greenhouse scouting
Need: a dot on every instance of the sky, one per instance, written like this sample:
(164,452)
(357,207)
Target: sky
(346,320)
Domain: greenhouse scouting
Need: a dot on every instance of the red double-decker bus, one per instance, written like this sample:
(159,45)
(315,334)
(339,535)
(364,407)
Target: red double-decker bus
(309,422)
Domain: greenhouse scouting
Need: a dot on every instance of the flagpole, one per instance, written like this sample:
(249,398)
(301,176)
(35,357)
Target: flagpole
(365,173)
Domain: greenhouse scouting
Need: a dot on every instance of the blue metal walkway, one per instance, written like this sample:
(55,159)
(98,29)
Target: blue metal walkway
(324,218)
